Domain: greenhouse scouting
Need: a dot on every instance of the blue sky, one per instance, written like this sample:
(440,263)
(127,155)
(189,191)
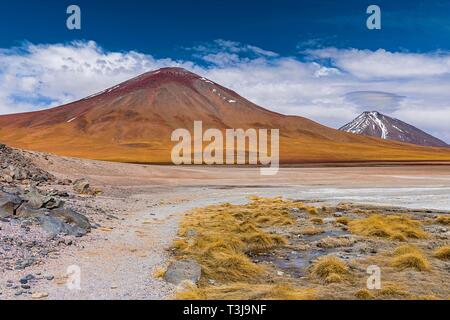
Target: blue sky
(311,58)
(163,27)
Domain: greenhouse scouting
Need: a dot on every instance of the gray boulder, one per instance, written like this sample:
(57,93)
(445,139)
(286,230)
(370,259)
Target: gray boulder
(26,211)
(73,218)
(55,226)
(182,270)
(82,186)
(53,203)
(36,200)
(9,204)
(60,221)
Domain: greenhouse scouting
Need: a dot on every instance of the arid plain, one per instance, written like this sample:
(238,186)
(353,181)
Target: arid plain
(143,211)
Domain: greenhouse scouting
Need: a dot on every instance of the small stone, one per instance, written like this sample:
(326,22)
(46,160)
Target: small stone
(191,233)
(183,270)
(39,295)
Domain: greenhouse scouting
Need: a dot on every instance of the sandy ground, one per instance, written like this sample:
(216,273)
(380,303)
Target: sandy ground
(118,262)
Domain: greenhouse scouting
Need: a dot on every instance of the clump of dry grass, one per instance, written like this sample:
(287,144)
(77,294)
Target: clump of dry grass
(392,227)
(406,249)
(411,260)
(159,272)
(343,220)
(442,253)
(388,290)
(443,220)
(431,297)
(318,221)
(332,242)
(410,257)
(364,294)
(344,206)
(246,291)
(391,289)
(311,231)
(330,269)
(220,237)
(312,210)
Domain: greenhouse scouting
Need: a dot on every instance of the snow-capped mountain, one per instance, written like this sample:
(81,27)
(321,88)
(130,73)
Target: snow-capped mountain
(375,124)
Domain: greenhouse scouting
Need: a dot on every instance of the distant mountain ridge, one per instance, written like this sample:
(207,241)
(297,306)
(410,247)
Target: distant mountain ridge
(133,122)
(376,124)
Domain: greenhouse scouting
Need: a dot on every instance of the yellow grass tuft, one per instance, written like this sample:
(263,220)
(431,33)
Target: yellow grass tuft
(431,297)
(364,294)
(392,227)
(318,221)
(330,269)
(442,253)
(388,290)
(331,242)
(406,249)
(343,220)
(313,210)
(410,257)
(311,231)
(246,291)
(391,289)
(220,237)
(159,272)
(443,220)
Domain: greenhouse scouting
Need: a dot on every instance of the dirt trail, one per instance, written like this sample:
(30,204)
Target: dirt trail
(120,264)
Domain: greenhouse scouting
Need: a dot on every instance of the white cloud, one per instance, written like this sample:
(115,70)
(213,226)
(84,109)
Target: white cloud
(374,100)
(382,64)
(412,87)
(41,75)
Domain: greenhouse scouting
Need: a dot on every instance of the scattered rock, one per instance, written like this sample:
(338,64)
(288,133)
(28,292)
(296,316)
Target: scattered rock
(9,204)
(39,295)
(182,270)
(65,182)
(82,186)
(191,233)
(54,227)
(15,166)
(26,211)
(36,200)
(73,218)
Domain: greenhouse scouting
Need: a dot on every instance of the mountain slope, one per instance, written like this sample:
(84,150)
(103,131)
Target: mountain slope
(375,124)
(133,122)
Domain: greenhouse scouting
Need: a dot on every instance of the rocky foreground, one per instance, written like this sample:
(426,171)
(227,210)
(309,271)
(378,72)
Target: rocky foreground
(39,216)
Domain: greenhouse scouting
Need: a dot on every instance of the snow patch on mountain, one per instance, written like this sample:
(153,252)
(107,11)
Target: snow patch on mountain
(375,124)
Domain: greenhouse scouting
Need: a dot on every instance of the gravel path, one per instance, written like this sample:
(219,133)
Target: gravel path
(120,263)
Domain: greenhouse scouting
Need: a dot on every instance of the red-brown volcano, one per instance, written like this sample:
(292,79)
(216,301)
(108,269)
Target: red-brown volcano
(133,122)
